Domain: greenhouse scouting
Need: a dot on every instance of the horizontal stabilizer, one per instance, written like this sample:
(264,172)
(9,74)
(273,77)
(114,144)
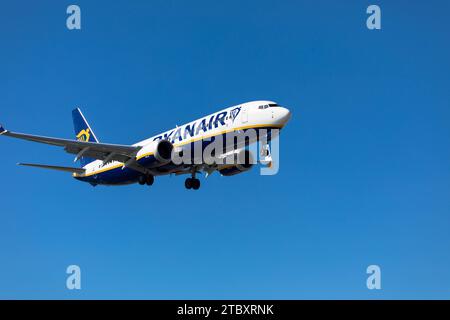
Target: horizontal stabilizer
(66,169)
(2,130)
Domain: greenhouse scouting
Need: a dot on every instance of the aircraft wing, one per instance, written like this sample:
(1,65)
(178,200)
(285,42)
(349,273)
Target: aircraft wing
(100,151)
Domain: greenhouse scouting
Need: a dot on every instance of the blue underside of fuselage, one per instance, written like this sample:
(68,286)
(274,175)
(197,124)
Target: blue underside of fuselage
(119,176)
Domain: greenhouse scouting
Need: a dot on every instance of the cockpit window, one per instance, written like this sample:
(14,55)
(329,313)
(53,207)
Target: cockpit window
(268,106)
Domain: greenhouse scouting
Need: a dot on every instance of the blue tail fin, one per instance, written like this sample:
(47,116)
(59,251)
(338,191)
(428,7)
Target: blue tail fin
(83,132)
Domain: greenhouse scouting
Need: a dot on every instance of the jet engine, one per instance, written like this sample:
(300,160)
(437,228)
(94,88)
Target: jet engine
(160,151)
(243,161)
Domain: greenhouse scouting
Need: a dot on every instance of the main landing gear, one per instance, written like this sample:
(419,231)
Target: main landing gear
(148,180)
(192,183)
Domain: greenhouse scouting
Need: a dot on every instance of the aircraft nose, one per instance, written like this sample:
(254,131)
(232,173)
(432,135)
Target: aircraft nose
(283,115)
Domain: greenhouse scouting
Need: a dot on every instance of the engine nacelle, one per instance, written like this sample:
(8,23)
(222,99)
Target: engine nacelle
(243,162)
(160,150)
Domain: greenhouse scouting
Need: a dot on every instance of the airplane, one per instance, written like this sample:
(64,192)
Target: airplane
(115,164)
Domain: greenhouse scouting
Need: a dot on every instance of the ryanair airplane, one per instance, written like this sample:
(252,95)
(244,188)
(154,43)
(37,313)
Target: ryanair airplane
(114,164)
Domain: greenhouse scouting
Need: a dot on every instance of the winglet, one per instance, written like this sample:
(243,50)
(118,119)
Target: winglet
(2,130)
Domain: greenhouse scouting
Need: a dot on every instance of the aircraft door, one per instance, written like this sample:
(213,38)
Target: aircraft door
(244,115)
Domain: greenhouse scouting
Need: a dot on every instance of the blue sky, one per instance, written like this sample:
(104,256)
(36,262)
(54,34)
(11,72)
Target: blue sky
(364,174)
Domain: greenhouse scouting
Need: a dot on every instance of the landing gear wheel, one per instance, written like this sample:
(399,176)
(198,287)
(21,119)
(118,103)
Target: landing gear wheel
(142,180)
(195,184)
(150,179)
(188,183)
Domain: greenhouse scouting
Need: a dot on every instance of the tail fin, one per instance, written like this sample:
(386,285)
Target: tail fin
(83,132)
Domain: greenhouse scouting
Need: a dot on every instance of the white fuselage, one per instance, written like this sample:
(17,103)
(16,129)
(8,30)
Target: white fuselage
(256,114)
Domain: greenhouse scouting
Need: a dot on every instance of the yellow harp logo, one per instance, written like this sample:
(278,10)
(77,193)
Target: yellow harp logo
(84,135)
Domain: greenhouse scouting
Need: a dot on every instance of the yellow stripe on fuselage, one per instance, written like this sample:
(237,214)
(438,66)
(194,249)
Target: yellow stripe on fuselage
(180,144)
